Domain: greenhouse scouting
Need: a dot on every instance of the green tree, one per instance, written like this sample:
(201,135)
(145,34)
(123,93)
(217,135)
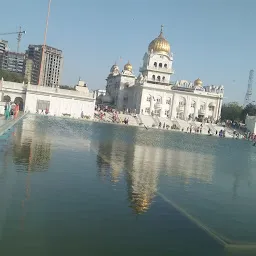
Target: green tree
(250,110)
(12,76)
(231,111)
(66,87)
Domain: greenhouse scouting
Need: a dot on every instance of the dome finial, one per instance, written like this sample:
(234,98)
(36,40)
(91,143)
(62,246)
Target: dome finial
(161,31)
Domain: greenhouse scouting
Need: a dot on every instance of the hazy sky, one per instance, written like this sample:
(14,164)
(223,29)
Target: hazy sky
(211,39)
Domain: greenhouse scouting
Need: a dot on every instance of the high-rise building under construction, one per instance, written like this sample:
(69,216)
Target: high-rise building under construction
(50,64)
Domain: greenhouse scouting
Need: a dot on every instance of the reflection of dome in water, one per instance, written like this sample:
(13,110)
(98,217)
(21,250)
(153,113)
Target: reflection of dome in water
(160,44)
(198,82)
(140,203)
(128,67)
(106,99)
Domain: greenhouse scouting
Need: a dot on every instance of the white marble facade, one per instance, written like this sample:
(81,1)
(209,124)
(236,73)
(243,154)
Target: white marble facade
(58,102)
(153,93)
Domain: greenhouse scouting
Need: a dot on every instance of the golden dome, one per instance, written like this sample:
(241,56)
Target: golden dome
(128,67)
(198,82)
(160,44)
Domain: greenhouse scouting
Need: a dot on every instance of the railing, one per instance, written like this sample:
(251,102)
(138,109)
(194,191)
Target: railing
(158,105)
(163,69)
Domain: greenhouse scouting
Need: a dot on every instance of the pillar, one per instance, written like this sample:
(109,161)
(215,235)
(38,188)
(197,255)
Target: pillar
(196,109)
(151,104)
(186,108)
(173,111)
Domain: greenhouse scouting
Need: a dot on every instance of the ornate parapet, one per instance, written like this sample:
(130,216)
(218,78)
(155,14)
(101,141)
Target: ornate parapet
(219,89)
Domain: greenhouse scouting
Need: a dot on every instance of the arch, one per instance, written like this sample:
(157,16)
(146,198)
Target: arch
(159,99)
(193,104)
(148,97)
(182,101)
(160,65)
(168,101)
(158,78)
(211,107)
(165,65)
(154,77)
(7,98)
(19,101)
(155,64)
(202,105)
(163,78)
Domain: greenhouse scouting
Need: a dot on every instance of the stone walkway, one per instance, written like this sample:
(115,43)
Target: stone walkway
(7,124)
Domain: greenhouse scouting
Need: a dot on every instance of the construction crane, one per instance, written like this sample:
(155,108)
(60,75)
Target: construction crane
(19,33)
(40,80)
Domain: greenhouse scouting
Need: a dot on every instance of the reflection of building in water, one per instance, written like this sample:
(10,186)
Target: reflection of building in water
(110,159)
(189,165)
(142,178)
(31,147)
(143,164)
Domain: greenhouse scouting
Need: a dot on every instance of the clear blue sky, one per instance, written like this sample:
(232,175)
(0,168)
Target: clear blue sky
(211,39)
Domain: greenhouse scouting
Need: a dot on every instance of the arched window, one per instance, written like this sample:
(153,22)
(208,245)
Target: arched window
(159,100)
(160,65)
(153,77)
(155,64)
(163,78)
(165,65)
(158,78)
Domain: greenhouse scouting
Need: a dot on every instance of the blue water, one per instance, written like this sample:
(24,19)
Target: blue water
(72,187)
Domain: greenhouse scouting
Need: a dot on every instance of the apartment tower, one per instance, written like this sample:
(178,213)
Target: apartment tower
(50,64)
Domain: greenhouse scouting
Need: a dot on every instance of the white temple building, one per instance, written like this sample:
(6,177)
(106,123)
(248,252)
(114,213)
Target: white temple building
(38,99)
(153,93)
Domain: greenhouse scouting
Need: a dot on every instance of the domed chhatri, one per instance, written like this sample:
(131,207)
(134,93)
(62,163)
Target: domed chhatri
(114,68)
(128,67)
(160,44)
(198,82)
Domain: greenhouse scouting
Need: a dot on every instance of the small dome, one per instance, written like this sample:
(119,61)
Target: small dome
(114,68)
(128,67)
(160,44)
(198,82)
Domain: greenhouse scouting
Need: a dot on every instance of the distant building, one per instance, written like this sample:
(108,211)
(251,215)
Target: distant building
(3,46)
(12,61)
(51,65)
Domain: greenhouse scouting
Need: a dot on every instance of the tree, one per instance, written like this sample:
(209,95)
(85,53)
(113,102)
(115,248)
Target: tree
(7,98)
(66,87)
(250,110)
(12,76)
(231,111)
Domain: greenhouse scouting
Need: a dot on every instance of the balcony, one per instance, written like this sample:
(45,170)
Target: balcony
(158,105)
(158,69)
(201,111)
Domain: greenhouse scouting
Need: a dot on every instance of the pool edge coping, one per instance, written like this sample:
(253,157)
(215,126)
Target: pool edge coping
(5,127)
